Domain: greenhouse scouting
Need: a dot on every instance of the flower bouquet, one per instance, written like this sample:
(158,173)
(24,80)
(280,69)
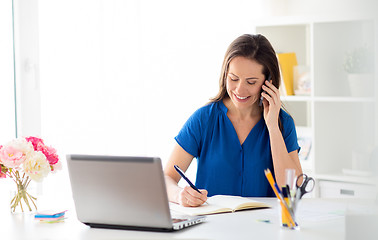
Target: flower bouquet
(25,159)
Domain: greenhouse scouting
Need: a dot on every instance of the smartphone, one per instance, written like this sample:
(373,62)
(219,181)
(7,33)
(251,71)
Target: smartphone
(261,97)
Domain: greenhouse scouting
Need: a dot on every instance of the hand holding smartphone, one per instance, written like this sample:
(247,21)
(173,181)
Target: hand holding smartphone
(261,97)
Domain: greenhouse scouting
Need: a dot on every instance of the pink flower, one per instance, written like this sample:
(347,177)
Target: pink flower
(51,155)
(49,152)
(35,141)
(11,157)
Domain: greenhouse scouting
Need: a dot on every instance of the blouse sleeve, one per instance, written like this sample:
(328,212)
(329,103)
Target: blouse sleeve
(289,132)
(190,135)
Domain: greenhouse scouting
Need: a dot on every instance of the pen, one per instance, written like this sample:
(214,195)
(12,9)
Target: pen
(285,208)
(286,194)
(182,174)
(263,220)
(285,220)
(278,189)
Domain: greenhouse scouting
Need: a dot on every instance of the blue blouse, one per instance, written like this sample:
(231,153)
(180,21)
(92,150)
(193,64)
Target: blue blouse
(224,166)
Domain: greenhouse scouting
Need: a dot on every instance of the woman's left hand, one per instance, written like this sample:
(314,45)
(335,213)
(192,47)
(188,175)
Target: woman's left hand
(272,104)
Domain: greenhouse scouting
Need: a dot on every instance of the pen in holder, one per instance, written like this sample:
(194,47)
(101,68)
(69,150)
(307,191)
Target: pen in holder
(289,201)
(287,210)
(288,193)
(287,206)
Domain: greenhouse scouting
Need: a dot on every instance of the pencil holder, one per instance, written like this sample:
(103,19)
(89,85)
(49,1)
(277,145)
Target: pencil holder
(287,217)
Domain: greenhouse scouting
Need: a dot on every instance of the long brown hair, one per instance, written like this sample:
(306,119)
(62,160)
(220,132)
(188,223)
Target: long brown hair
(254,47)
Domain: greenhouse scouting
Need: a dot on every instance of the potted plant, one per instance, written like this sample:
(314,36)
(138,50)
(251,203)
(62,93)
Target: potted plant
(358,63)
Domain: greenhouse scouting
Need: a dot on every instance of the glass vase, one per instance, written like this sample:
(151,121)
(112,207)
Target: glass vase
(21,200)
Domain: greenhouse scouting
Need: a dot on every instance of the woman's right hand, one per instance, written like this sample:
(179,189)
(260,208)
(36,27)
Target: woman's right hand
(188,197)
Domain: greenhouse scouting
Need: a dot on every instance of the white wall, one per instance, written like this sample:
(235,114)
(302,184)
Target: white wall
(121,77)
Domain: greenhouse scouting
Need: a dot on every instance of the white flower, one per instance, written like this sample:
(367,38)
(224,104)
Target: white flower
(36,166)
(22,145)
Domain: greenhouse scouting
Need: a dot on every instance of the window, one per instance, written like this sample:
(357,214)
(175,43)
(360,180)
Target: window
(7,119)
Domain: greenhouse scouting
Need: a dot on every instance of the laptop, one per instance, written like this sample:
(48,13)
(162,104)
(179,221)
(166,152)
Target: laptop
(122,192)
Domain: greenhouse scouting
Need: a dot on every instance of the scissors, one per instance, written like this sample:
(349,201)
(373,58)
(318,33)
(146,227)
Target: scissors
(305,184)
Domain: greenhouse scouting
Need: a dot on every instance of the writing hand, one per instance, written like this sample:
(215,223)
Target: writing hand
(188,197)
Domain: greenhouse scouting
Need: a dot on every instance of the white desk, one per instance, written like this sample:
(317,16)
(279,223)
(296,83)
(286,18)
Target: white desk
(318,219)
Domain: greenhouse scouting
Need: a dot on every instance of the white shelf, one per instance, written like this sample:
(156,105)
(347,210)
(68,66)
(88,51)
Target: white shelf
(338,123)
(327,99)
(296,98)
(345,99)
(338,177)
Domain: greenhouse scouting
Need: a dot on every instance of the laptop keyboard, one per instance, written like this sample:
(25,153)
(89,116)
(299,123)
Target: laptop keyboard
(182,222)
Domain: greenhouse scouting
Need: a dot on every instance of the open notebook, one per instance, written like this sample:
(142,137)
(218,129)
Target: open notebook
(219,204)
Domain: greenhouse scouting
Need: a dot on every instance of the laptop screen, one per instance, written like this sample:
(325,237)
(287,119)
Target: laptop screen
(116,190)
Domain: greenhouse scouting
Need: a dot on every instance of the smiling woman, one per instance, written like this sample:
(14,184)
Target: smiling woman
(234,138)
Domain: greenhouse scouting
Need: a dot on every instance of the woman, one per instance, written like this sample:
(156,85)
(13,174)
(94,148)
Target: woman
(233,137)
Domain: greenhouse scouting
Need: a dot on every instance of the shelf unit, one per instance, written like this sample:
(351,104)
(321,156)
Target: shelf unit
(341,126)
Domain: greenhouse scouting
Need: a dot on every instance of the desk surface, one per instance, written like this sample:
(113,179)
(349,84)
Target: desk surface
(318,219)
